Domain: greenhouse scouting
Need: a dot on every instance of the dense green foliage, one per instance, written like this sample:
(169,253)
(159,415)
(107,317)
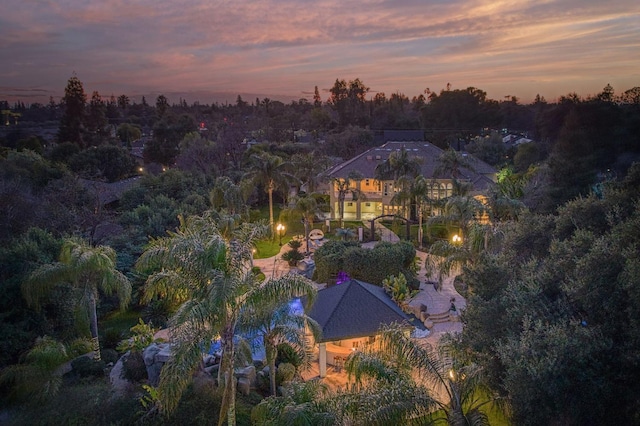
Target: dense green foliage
(369,265)
(555,311)
(559,283)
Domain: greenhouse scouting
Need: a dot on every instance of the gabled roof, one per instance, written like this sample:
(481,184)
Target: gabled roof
(354,309)
(429,154)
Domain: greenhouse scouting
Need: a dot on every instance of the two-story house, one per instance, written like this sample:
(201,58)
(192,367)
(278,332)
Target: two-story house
(373,197)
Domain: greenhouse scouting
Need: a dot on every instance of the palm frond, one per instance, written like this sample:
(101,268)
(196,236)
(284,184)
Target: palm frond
(42,281)
(176,375)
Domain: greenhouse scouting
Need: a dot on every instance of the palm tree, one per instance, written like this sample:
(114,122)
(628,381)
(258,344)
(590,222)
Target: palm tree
(308,169)
(84,267)
(210,273)
(399,164)
(447,256)
(307,207)
(36,378)
(278,324)
(229,195)
(450,163)
(420,193)
(458,392)
(272,172)
(345,186)
(301,403)
(402,169)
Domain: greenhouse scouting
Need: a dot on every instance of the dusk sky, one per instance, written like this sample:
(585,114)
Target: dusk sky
(213,50)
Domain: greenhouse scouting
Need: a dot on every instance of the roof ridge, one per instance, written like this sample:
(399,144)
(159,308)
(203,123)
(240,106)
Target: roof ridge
(388,302)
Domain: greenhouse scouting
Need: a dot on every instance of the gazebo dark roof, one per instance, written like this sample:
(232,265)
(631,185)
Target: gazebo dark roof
(354,309)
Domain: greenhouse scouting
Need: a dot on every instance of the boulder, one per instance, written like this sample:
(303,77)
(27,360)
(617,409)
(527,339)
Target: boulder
(155,355)
(248,372)
(212,370)
(428,324)
(244,385)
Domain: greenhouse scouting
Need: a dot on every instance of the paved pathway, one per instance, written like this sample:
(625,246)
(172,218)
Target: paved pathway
(436,301)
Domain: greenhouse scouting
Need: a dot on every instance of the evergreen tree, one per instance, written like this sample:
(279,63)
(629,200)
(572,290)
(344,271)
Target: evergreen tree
(72,124)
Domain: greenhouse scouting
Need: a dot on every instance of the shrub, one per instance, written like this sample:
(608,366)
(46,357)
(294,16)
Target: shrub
(292,257)
(88,367)
(110,338)
(398,289)
(286,354)
(79,347)
(371,266)
(133,367)
(141,337)
(330,259)
(109,356)
(158,312)
(285,373)
(295,244)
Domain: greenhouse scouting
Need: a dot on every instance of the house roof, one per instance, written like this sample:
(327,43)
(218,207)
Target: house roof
(429,154)
(354,309)
(109,192)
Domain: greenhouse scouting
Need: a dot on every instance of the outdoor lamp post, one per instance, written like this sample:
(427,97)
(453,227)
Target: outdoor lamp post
(280,229)
(457,239)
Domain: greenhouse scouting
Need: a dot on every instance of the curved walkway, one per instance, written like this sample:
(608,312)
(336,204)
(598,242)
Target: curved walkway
(436,301)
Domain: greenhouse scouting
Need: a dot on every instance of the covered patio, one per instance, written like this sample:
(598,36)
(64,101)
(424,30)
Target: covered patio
(350,315)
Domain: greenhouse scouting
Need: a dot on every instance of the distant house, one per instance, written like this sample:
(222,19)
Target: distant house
(376,195)
(350,315)
(515,140)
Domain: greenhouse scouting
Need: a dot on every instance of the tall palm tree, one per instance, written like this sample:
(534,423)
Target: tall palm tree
(450,164)
(210,274)
(273,173)
(402,169)
(84,267)
(345,186)
(399,164)
(460,212)
(305,207)
(458,392)
(277,324)
(421,194)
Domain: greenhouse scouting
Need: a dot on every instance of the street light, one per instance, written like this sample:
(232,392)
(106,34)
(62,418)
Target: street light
(280,229)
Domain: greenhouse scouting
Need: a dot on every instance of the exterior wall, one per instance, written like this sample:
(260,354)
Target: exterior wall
(376,199)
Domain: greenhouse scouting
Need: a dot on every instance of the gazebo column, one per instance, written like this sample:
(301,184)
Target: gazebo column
(322,360)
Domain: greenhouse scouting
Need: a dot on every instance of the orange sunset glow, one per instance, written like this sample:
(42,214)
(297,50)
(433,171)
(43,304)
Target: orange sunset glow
(213,50)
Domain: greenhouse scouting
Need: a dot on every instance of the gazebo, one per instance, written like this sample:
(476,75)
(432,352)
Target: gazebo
(350,315)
